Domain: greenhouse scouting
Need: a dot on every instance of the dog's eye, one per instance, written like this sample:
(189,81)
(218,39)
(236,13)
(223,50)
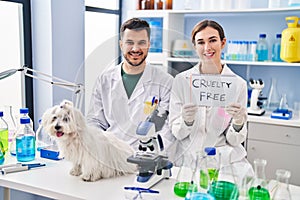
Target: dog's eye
(66,119)
(54,118)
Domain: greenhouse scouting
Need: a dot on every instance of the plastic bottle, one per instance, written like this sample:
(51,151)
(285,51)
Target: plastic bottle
(262,48)
(276,49)
(25,141)
(3,133)
(282,190)
(258,188)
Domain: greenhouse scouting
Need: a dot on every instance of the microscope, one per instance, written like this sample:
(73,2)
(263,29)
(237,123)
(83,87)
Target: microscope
(255,103)
(153,165)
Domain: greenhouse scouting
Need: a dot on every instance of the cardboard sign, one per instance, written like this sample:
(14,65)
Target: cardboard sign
(213,90)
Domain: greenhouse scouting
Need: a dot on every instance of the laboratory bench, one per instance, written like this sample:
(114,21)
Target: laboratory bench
(54,181)
(277,141)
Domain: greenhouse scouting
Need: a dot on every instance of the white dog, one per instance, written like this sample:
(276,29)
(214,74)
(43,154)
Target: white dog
(95,154)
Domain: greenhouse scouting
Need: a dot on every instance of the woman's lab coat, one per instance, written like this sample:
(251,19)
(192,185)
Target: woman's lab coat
(212,126)
(111,110)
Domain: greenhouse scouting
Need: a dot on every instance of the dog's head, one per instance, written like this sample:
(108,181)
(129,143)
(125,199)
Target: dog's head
(63,121)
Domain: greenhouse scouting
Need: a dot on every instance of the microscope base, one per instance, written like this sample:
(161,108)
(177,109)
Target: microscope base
(258,112)
(166,173)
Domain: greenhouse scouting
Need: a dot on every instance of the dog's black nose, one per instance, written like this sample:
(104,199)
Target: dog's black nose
(57,127)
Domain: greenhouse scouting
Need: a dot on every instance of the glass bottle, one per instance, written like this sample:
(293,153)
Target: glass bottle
(282,190)
(169,4)
(25,141)
(184,176)
(213,164)
(199,191)
(258,188)
(23,113)
(225,188)
(273,97)
(159,5)
(3,133)
(262,48)
(276,49)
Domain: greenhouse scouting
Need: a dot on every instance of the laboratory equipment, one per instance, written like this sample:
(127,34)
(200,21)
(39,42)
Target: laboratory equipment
(159,5)
(255,103)
(24,112)
(273,97)
(18,167)
(282,112)
(290,41)
(294,3)
(25,141)
(225,188)
(212,163)
(153,165)
(282,190)
(43,139)
(78,89)
(3,133)
(168,4)
(186,176)
(194,182)
(262,48)
(258,187)
(276,49)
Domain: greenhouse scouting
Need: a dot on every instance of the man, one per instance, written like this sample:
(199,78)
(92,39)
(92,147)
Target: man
(126,94)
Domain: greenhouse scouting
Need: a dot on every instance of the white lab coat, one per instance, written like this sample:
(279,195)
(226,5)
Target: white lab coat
(111,110)
(212,126)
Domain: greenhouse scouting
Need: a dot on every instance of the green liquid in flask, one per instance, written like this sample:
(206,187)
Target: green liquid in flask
(258,193)
(181,188)
(213,176)
(223,190)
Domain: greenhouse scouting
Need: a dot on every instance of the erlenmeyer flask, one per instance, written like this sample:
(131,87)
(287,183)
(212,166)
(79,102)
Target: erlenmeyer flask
(258,188)
(273,97)
(225,188)
(184,176)
(282,189)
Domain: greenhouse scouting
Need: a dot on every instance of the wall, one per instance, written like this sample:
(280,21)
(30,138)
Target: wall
(58,48)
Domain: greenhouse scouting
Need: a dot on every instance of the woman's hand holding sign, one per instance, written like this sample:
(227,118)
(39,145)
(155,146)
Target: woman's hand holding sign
(189,111)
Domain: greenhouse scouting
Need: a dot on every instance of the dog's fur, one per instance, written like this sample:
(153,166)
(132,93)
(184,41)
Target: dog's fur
(95,154)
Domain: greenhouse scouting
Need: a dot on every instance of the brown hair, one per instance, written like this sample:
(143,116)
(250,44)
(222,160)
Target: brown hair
(207,23)
(135,24)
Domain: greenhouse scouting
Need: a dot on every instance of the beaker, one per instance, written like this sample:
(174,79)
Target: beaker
(273,98)
(184,176)
(225,188)
(282,189)
(258,188)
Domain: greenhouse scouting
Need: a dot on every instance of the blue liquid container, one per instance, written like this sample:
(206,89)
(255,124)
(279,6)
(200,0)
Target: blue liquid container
(276,49)
(25,141)
(262,48)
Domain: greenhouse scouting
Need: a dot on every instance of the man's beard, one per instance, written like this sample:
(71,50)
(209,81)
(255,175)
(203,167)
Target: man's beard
(132,64)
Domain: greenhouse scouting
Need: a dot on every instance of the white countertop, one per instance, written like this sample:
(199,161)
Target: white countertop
(266,118)
(54,181)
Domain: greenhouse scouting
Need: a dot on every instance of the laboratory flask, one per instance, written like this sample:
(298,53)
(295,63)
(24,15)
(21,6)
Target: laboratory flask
(25,141)
(273,97)
(282,191)
(3,133)
(185,175)
(225,188)
(43,139)
(193,186)
(258,189)
(283,105)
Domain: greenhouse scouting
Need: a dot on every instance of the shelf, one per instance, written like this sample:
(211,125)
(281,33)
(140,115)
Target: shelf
(232,11)
(195,60)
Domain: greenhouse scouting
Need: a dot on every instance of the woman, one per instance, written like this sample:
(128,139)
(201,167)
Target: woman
(196,127)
